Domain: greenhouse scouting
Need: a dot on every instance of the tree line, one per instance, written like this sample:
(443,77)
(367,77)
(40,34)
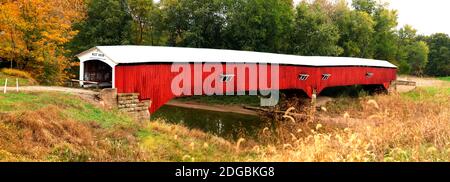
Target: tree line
(34,35)
(363,28)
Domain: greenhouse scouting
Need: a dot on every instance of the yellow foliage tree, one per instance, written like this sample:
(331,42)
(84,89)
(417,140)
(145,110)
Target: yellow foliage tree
(33,34)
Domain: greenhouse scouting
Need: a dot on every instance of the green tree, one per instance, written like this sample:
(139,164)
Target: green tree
(144,14)
(385,38)
(412,54)
(259,25)
(174,20)
(356,32)
(368,6)
(314,33)
(405,36)
(206,22)
(418,57)
(439,56)
(107,23)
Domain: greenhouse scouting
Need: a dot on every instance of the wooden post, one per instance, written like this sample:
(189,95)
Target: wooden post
(17,85)
(6,84)
(312,110)
(314,97)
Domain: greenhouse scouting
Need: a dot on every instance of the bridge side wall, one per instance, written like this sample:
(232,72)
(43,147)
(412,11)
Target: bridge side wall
(153,81)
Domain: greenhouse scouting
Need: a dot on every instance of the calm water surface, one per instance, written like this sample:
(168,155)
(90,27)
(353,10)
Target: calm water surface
(227,125)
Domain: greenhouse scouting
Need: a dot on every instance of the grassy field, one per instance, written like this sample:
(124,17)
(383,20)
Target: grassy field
(447,78)
(50,126)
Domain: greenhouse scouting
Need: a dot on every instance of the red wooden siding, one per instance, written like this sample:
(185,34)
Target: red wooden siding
(153,81)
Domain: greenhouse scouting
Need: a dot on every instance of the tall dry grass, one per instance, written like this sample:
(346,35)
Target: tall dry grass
(407,127)
(46,135)
(378,128)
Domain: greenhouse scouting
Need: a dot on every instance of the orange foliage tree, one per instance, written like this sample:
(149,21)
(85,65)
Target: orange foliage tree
(33,34)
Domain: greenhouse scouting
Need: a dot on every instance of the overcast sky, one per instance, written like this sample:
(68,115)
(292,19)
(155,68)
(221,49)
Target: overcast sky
(427,16)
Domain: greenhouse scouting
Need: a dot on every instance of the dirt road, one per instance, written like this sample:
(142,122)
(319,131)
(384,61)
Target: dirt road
(54,89)
(87,95)
(425,82)
(420,82)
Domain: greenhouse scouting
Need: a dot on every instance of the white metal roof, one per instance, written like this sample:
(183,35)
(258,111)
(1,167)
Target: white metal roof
(114,55)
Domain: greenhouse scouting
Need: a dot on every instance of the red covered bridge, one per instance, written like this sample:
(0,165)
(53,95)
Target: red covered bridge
(147,70)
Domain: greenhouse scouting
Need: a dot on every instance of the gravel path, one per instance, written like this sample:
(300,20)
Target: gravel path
(87,95)
(420,82)
(51,88)
(424,82)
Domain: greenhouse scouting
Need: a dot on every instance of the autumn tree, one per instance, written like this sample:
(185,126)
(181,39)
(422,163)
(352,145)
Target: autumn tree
(11,44)
(34,33)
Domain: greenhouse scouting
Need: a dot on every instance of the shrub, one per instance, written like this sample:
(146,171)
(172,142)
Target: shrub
(384,128)
(18,73)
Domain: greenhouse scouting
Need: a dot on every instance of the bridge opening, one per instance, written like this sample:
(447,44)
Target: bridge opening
(99,73)
(353,91)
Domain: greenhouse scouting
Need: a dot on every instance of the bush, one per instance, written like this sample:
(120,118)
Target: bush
(18,73)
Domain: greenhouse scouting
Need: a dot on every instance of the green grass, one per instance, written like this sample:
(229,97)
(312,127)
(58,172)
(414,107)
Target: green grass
(427,94)
(12,81)
(224,100)
(447,78)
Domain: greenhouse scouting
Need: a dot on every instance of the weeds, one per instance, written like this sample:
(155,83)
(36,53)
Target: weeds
(399,127)
(45,135)
(381,128)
